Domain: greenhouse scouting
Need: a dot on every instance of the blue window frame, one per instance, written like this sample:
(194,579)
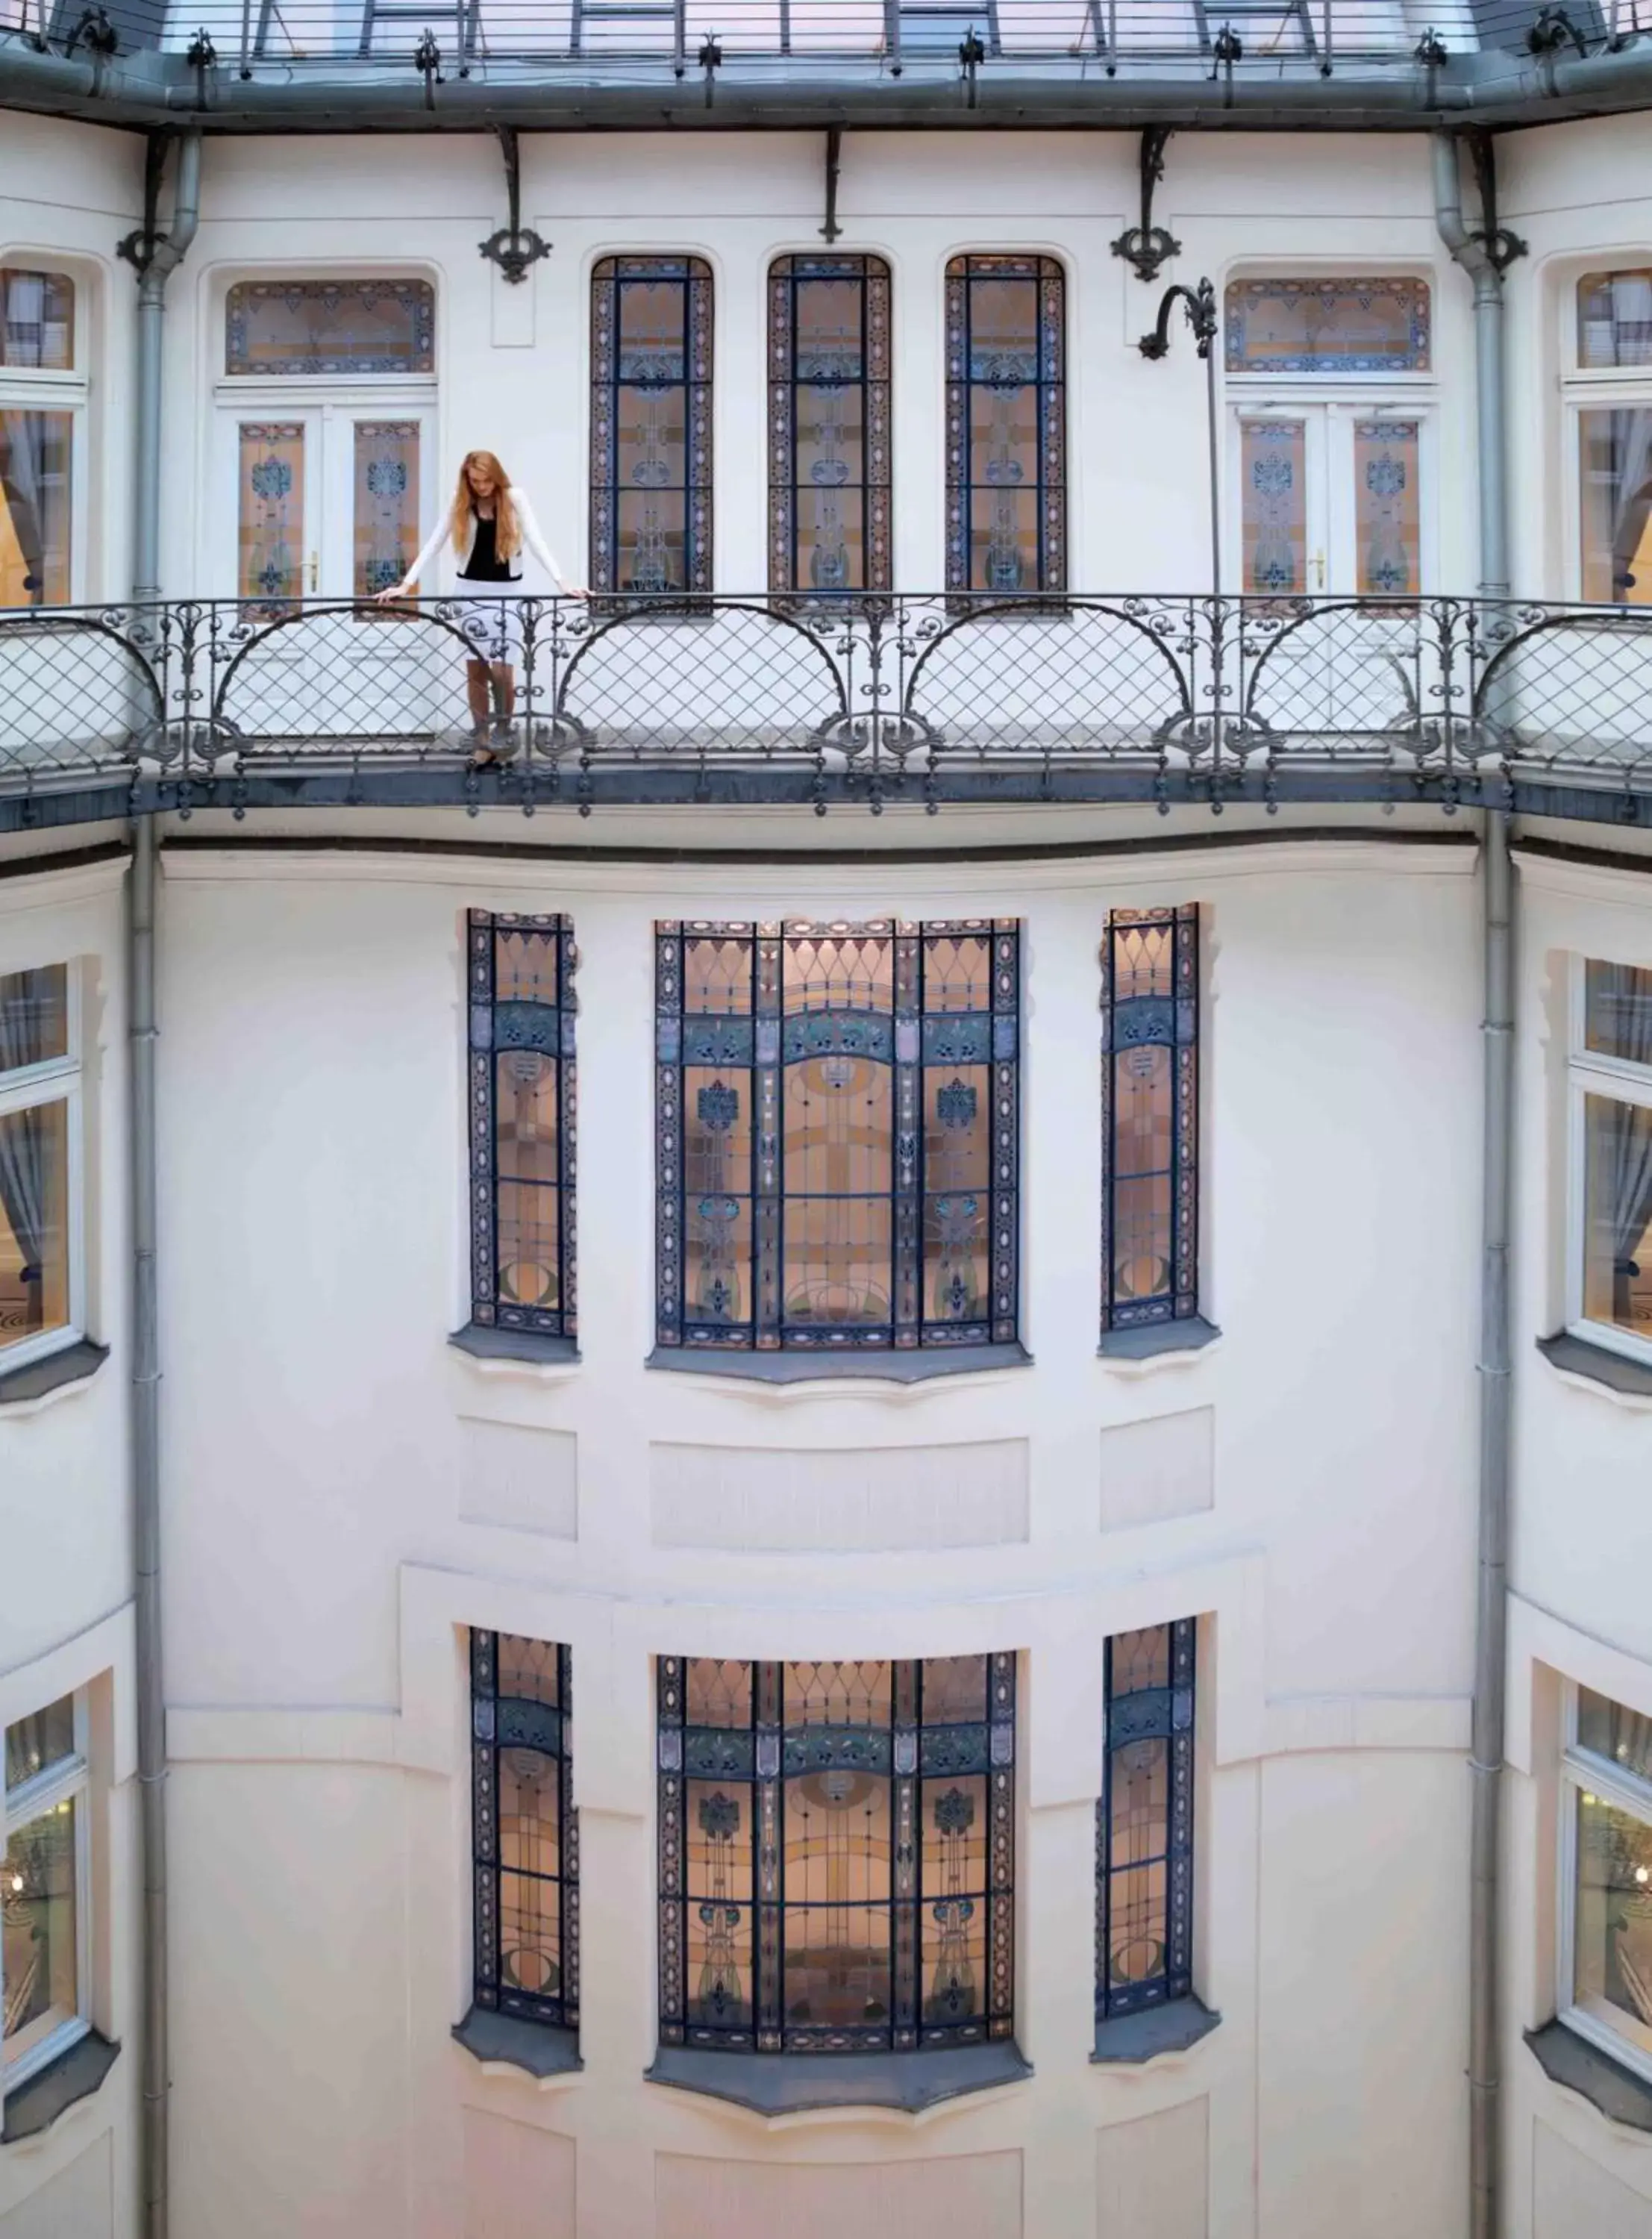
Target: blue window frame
(1150,1108)
(1006,441)
(651,425)
(525,1831)
(522,1122)
(1144,1821)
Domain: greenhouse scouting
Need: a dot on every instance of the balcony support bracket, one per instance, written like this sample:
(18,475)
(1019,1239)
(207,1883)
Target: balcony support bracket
(516,247)
(831,230)
(1148,246)
(1501,246)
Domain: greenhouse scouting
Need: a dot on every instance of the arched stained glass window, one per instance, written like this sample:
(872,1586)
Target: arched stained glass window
(1145,1822)
(1150,1110)
(522,1112)
(1006,445)
(837,1854)
(829,449)
(525,1830)
(837,1133)
(651,427)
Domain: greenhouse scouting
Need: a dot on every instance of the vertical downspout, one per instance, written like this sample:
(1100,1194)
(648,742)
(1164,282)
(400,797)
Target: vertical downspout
(1498,1046)
(166,253)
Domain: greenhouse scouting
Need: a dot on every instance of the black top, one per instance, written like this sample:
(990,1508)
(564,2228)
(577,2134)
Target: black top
(484,564)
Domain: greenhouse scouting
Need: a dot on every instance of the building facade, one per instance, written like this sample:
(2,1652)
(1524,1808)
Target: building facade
(819,1501)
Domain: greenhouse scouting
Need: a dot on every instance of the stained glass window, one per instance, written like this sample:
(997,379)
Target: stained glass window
(525,1830)
(1388,521)
(829,456)
(1615,319)
(1145,1822)
(522,1122)
(651,429)
(36,320)
(1150,1116)
(270,540)
(1355,325)
(1273,508)
(837,1853)
(1005,425)
(837,1133)
(387,503)
(285,328)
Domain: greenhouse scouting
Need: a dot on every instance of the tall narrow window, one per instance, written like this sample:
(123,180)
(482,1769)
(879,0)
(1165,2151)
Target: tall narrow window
(45,1912)
(42,396)
(1149,1106)
(651,439)
(829,462)
(838,1134)
(40,1208)
(1605,1940)
(525,1830)
(522,1117)
(837,1854)
(1006,426)
(1145,1822)
(1610,1273)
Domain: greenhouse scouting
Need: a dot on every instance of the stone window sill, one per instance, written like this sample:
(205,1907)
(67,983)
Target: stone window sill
(1566,2058)
(795,2083)
(919,1365)
(524,1348)
(539,2049)
(1131,2040)
(32,2109)
(36,1379)
(1157,1343)
(1610,1371)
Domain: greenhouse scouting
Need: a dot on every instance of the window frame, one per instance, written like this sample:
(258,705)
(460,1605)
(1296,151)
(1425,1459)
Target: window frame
(67,1780)
(1589,1072)
(1582,1769)
(786,274)
(26,1089)
(488,1990)
(1054,445)
(1184,1301)
(62,389)
(1178,1729)
(487,1310)
(603,486)
(764,1330)
(762,1781)
(1588,389)
(1331,415)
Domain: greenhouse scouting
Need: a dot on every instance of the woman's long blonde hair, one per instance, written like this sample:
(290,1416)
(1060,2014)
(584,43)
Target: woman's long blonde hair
(508,533)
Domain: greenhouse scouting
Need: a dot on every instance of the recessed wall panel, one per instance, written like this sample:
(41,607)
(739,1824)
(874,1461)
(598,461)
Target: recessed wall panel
(959,2196)
(519,2181)
(1153,2177)
(1158,1469)
(525,1479)
(76,2205)
(850,1501)
(1573,2195)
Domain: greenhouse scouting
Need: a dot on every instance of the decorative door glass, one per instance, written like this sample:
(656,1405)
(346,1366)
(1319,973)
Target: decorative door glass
(1387,522)
(1274,504)
(386,503)
(270,540)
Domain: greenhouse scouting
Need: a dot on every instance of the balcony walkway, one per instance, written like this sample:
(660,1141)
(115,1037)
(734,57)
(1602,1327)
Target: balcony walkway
(1546,709)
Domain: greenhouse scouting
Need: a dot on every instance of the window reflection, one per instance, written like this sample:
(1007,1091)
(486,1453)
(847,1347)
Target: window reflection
(35,451)
(1613,1940)
(1615,463)
(1617,1233)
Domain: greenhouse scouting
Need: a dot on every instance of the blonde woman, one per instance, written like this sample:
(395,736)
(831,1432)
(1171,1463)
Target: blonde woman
(488,524)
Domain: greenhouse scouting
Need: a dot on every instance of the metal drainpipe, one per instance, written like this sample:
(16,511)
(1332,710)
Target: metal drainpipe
(1497,1048)
(168,253)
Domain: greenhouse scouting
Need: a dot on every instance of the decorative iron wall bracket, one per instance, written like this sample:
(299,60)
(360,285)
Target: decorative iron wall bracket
(138,246)
(1501,246)
(1148,246)
(516,247)
(831,230)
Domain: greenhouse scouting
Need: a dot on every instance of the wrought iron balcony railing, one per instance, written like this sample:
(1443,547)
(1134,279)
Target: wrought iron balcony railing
(918,698)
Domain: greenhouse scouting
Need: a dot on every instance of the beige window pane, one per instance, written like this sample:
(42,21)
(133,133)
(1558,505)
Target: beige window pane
(1388,514)
(1273,511)
(33,1017)
(34,1221)
(39,1964)
(1614,318)
(1613,1732)
(1617,1011)
(45,1738)
(270,536)
(1612,1949)
(36,320)
(387,503)
(36,453)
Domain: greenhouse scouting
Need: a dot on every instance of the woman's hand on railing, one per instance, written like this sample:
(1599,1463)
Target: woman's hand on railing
(388,598)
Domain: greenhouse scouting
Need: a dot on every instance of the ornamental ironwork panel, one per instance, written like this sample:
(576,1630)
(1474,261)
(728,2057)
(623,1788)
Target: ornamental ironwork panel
(1150,1116)
(1355,325)
(651,425)
(524,1828)
(837,1133)
(523,1122)
(837,1853)
(1144,1821)
(1006,468)
(829,427)
(281,329)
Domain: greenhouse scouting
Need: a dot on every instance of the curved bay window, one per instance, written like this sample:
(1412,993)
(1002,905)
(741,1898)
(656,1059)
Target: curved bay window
(1005,425)
(1145,1822)
(829,453)
(838,1134)
(837,1850)
(522,1099)
(651,436)
(1150,1108)
(524,1829)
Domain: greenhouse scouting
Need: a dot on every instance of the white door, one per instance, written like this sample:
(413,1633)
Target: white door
(326,501)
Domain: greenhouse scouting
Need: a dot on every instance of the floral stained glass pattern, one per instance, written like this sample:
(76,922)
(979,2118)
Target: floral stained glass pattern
(1387,508)
(271,534)
(525,1831)
(1005,425)
(1312,325)
(1150,1116)
(836,1853)
(651,439)
(829,440)
(1273,456)
(301,329)
(1145,1822)
(387,503)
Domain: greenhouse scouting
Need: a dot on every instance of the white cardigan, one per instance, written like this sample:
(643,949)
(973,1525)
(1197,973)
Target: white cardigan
(530,537)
